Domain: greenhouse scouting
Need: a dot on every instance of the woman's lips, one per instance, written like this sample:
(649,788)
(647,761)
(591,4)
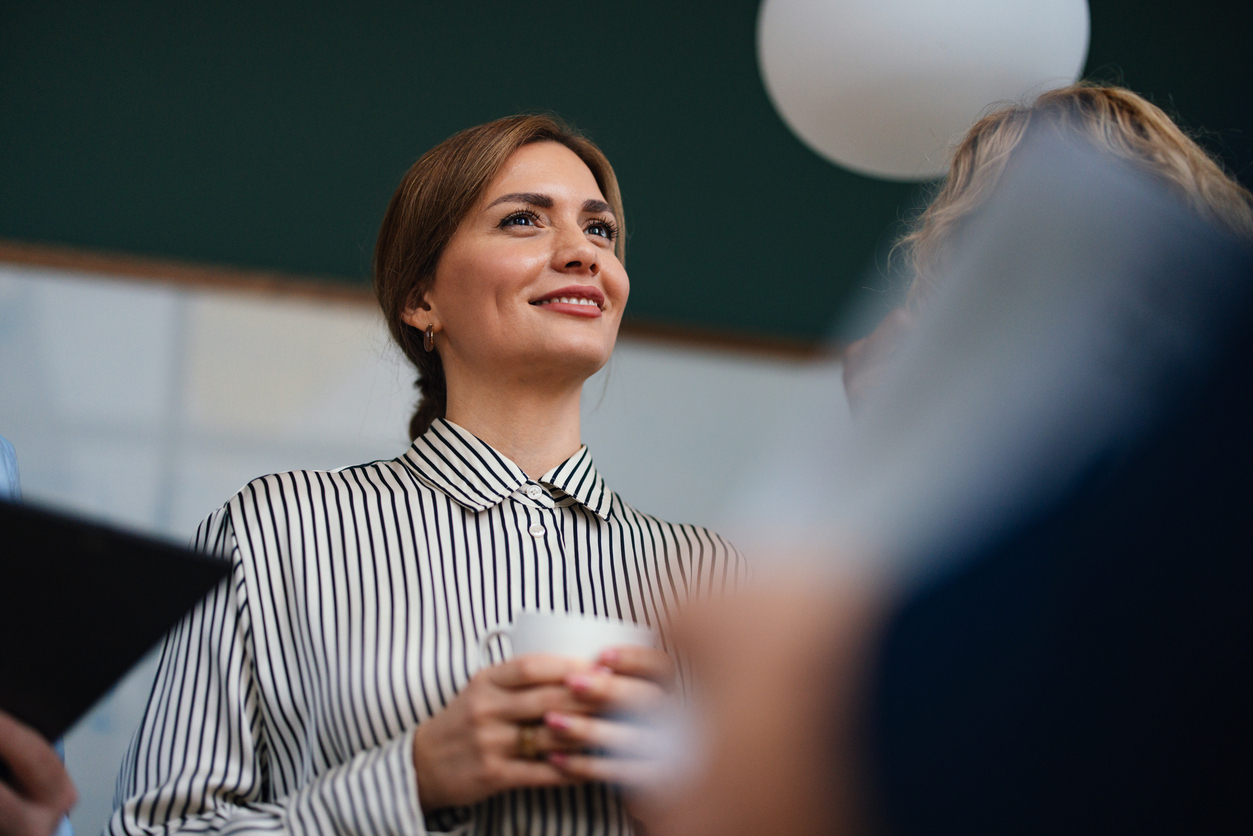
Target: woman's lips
(572,306)
(576,301)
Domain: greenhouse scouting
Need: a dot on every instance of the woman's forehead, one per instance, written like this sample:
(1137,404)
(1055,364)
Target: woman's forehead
(545,169)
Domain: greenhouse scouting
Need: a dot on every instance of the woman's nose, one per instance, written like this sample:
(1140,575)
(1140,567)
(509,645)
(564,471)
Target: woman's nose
(574,253)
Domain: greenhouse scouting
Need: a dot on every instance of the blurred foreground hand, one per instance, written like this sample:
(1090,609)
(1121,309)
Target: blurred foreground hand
(778,671)
(41,793)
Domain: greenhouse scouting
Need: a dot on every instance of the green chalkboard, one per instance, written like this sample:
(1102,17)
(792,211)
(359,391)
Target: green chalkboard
(270,135)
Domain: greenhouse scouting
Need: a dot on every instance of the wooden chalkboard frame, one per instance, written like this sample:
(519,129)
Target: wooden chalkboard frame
(129,267)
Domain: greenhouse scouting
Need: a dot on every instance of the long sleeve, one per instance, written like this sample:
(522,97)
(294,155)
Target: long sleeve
(201,760)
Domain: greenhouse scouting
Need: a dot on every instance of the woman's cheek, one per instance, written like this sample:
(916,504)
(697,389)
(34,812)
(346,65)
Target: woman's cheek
(622,291)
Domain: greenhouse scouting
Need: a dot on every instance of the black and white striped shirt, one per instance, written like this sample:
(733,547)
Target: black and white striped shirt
(287,700)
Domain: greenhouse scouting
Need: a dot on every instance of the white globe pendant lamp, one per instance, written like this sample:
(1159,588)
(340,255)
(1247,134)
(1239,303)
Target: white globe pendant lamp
(885,87)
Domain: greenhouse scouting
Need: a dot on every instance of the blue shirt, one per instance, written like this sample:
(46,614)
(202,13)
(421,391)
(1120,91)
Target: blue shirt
(8,471)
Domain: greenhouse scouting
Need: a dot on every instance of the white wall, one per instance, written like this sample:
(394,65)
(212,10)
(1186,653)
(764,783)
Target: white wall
(149,405)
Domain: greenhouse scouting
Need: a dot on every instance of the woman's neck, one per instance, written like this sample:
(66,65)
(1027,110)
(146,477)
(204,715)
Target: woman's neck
(536,430)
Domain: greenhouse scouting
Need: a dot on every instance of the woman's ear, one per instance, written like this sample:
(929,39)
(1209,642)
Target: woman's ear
(418,313)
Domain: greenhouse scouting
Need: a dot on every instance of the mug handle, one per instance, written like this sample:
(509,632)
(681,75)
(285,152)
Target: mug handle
(498,630)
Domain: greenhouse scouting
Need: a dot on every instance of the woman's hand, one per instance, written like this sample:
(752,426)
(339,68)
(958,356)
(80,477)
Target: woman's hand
(476,747)
(629,682)
(42,792)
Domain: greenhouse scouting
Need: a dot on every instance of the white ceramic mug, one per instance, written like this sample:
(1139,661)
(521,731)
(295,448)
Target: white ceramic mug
(565,634)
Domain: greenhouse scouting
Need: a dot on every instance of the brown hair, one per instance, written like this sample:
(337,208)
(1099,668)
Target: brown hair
(434,196)
(1112,119)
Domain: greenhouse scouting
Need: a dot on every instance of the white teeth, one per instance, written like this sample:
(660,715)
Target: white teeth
(571,300)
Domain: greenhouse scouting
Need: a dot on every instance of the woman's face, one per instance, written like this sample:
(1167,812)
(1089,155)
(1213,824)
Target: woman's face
(529,285)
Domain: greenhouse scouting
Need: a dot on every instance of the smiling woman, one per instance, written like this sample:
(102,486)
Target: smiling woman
(472,197)
(526,299)
(335,685)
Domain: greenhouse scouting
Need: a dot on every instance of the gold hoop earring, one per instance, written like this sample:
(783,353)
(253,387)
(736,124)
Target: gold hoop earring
(428,338)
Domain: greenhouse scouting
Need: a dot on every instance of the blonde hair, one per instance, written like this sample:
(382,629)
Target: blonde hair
(432,200)
(1112,119)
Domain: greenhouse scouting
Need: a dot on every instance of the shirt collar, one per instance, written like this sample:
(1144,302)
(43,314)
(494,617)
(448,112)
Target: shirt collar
(465,467)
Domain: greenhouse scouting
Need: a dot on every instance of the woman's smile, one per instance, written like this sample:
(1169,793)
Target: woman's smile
(576,300)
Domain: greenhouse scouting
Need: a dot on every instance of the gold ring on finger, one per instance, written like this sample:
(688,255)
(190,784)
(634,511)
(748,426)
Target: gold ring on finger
(528,741)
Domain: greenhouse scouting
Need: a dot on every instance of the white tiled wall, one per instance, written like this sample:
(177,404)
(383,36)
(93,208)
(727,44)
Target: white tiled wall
(150,404)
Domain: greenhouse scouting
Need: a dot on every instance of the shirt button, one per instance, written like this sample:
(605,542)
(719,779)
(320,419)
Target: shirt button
(534,491)
(536,530)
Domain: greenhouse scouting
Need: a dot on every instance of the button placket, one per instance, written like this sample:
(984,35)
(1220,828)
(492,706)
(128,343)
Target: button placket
(545,524)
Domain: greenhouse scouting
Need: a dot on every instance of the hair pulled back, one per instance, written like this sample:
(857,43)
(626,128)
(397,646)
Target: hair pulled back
(1112,119)
(433,198)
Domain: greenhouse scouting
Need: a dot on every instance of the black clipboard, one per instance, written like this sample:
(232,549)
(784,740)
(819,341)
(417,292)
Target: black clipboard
(80,604)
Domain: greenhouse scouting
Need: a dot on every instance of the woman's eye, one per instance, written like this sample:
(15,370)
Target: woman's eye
(602,229)
(519,219)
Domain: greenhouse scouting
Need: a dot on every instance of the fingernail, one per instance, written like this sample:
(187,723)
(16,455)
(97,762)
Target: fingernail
(557,721)
(602,669)
(579,682)
(557,758)
(609,657)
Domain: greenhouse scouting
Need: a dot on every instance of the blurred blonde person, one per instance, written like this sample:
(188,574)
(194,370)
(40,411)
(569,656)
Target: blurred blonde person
(786,668)
(1111,119)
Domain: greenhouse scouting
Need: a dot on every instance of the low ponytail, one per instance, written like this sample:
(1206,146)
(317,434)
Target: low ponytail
(432,389)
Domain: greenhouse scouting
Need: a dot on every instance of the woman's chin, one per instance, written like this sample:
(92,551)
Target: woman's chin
(548,357)
(576,350)
(570,361)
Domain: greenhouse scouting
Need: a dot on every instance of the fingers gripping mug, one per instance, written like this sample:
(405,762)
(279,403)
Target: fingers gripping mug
(564,634)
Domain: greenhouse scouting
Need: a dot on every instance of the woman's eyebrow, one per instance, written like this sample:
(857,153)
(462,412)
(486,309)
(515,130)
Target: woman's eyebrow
(541,200)
(590,206)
